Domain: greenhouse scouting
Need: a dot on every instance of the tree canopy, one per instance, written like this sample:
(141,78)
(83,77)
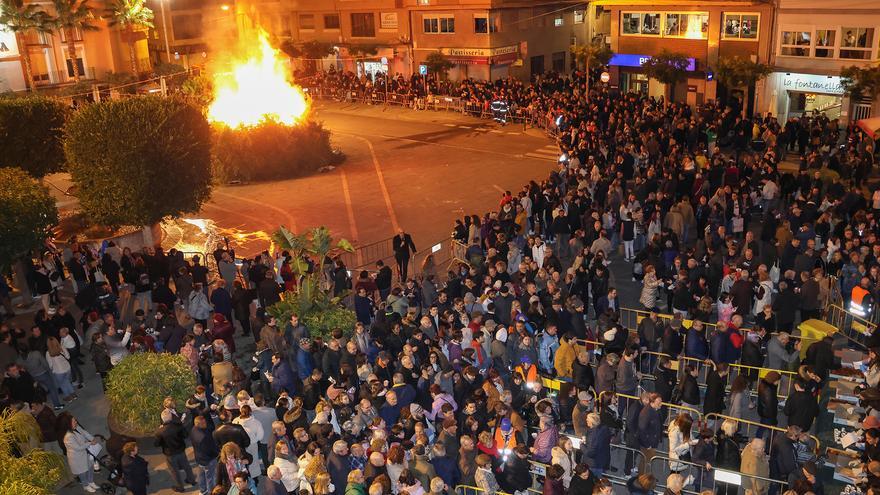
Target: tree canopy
(735,72)
(140,159)
(667,67)
(437,63)
(861,82)
(27,215)
(32,132)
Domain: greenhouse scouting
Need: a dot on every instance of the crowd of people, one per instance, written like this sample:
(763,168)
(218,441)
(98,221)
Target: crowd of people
(439,384)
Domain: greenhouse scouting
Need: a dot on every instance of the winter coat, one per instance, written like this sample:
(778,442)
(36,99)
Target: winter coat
(289,472)
(801,408)
(606,375)
(650,428)
(626,381)
(765,290)
(485,480)
(650,290)
(727,454)
(565,358)
(713,402)
(678,447)
(768,402)
(739,404)
(695,344)
(778,357)
(76,442)
(690,391)
(544,443)
(553,487)
(564,459)
(755,464)
(198,306)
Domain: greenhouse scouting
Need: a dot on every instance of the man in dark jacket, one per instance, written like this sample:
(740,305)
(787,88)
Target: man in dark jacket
(19,383)
(631,432)
(783,456)
(785,306)
(820,355)
(447,468)
(515,476)
(205,451)
(229,432)
(135,473)
(171,437)
(596,449)
(338,465)
(650,430)
(801,407)
(806,475)
(713,402)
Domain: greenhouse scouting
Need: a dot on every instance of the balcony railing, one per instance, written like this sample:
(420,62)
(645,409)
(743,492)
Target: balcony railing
(62,76)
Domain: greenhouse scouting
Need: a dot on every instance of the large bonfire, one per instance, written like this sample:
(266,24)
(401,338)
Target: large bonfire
(257,88)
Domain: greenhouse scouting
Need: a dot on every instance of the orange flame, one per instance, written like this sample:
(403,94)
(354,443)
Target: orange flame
(257,89)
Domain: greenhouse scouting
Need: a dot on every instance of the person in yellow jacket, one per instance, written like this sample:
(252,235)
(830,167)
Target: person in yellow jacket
(565,357)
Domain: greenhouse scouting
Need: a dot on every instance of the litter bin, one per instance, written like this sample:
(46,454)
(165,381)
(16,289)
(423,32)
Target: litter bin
(813,331)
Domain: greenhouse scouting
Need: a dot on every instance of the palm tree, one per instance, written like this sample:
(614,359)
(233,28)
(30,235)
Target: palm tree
(70,16)
(20,18)
(130,16)
(595,54)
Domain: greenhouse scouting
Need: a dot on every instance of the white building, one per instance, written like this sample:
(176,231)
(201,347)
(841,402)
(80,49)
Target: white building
(812,42)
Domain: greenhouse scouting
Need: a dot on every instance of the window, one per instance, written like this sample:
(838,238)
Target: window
(79,65)
(641,23)
(558,61)
(740,26)
(307,21)
(187,26)
(856,42)
(363,25)
(578,16)
(484,23)
(557,21)
(285,26)
(694,26)
(438,24)
(796,43)
(77,35)
(331,21)
(825,42)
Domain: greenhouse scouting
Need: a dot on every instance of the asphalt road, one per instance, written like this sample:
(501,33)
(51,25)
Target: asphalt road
(405,169)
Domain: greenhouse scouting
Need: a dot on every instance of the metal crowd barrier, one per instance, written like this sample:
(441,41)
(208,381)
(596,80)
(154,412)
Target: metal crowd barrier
(752,426)
(854,327)
(630,319)
(707,477)
(674,409)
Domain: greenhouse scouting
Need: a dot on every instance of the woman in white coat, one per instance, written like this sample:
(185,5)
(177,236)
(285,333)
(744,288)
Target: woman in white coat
(254,429)
(286,461)
(563,454)
(680,441)
(80,446)
(764,293)
(198,306)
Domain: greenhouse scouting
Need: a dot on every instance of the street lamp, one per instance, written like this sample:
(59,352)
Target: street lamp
(165,31)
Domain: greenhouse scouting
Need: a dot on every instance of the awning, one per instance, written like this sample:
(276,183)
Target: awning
(870,126)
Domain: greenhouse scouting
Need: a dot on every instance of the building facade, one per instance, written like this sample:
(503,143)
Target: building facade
(98,53)
(812,44)
(703,30)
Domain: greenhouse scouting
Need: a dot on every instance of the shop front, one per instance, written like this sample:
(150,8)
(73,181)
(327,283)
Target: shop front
(11,72)
(481,63)
(799,94)
(627,74)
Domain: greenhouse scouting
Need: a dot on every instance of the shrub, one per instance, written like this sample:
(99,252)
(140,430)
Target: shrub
(269,151)
(138,385)
(27,215)
(140,159)
(25,469)
(32,130)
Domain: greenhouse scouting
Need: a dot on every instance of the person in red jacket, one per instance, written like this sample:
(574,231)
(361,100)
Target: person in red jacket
(223,330)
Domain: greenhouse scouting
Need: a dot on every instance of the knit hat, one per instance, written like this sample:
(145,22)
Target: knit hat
(416,409)
(501,335)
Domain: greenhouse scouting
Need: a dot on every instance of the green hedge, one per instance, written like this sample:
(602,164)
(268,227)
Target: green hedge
(27,215)
(31,130)
(269,151)
(139,159)
(140,382)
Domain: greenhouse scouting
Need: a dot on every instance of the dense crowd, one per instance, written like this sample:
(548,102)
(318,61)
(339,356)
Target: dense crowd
(440,383)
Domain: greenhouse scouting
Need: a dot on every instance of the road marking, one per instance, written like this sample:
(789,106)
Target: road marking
(497,188)
(496,131)
(449,125)
(514,133)
(382,186)
(346,193)
(465,127)
(291,223)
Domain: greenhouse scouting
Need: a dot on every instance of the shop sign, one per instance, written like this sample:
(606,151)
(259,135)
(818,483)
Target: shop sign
(692,88)
(632,60)
(479,52)
(388,20)
(812,83)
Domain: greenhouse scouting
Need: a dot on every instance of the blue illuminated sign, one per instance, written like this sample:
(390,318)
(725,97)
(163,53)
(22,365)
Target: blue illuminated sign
(631,60)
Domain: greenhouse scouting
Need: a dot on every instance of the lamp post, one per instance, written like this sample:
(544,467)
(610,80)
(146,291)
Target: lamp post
(165,31)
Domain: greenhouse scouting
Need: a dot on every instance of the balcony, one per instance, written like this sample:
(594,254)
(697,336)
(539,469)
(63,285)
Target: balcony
(37,39)
(54,77)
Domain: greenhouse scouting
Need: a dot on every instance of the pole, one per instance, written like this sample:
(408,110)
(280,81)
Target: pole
(165,32)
